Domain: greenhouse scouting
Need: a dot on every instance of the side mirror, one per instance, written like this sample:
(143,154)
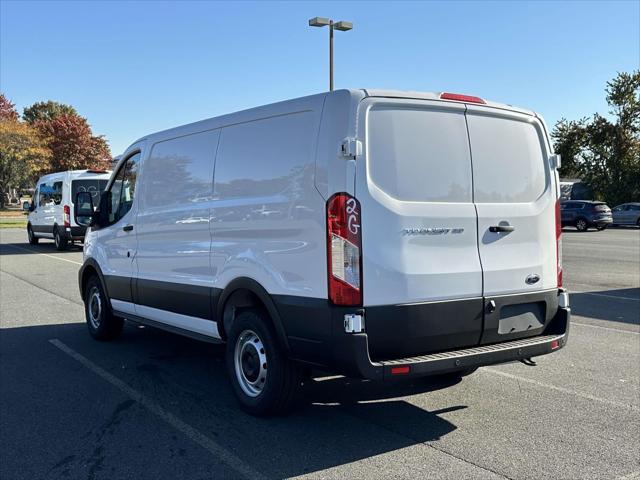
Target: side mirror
(83,211)
(27,207)
(555,161)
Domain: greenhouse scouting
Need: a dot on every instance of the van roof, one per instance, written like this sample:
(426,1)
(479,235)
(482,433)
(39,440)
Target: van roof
(372,92)
(258,111)
(78,173)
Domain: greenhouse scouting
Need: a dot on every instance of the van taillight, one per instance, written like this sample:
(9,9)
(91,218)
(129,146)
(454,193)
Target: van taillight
(559,242)
(67,216)
(344,250)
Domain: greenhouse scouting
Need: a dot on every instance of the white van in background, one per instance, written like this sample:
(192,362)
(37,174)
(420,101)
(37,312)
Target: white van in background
(371,233)
(51,213)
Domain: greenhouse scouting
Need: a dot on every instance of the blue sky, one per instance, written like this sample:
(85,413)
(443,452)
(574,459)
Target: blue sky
(133,68)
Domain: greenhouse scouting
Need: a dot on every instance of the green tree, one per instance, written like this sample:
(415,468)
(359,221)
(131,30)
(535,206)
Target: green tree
(46,111)
(606,153)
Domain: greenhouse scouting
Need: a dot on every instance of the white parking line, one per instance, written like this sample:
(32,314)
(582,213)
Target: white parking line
(559,389)
(205,442)
(605,328)
(39,253)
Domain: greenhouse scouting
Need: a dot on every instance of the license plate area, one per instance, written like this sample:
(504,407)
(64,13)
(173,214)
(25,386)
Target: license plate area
(522,317)
(511,317)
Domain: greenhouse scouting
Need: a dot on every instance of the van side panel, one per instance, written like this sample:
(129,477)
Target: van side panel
(173,238)
(267,218)
(335,172)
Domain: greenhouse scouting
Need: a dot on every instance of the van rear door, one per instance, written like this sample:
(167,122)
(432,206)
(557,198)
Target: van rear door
(515,197)
(422,279)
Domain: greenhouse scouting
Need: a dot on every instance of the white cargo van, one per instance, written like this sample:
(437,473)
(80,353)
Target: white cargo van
(370,233)
(51,209)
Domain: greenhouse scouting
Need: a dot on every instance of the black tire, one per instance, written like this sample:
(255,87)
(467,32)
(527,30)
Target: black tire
(33,240)
(264,380)
(582,225)
(102,324)
(60,239)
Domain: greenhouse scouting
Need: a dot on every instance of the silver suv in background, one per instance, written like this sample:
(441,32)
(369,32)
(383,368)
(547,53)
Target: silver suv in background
(626,214)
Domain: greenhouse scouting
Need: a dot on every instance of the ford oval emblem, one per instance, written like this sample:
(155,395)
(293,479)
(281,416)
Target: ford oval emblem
(533,278)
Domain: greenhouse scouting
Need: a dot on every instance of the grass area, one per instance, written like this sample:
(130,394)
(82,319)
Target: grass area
(13,223)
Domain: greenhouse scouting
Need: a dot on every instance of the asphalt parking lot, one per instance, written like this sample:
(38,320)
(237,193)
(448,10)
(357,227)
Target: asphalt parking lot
(154,405)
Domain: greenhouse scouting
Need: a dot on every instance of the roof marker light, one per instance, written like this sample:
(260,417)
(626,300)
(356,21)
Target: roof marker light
(461,98)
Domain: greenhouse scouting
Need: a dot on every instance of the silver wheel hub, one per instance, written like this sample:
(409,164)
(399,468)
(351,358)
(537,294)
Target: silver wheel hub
(250,362)
(95,307)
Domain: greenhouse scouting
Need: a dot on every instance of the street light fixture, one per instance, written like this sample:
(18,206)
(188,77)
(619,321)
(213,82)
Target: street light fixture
(342,26)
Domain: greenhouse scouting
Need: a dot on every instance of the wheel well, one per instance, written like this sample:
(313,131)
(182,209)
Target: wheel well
(239,301)
(88,272)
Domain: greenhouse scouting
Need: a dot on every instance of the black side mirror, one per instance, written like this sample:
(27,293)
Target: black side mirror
(28,206)
(83,211)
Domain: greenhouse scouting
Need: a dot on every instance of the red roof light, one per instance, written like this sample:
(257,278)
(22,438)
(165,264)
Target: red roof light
(461,98)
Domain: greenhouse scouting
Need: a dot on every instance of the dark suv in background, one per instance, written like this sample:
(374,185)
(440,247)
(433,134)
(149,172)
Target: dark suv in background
(583,214)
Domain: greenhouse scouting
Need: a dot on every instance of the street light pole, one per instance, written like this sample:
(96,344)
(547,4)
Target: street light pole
(331,55)
(342,26)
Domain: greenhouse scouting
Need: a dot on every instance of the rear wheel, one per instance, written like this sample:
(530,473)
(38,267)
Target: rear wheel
(60,240)
(33,240)
(102,324)
(264,380)
(582,225)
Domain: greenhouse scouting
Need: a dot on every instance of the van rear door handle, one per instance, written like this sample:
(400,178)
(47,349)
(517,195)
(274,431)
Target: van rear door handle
(501,228)
(127,228)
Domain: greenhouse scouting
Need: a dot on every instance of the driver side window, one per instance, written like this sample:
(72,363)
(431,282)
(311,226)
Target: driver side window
(123,189)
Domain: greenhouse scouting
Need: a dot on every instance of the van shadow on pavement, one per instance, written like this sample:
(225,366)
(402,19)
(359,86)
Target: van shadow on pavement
(617,305)
(330,427)
(45,246)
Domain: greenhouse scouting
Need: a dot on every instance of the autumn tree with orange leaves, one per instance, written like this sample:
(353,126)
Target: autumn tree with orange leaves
(24,153)
(52,137)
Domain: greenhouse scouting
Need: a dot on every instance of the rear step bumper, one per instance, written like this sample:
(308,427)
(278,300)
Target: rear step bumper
(554,338)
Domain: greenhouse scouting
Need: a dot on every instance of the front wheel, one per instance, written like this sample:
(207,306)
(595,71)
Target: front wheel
(582,225)
(264,380)
(102,324)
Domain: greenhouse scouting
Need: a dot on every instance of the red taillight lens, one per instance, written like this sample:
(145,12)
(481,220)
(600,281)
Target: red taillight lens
(559,242)
(344,250)
(400,370)
(67,216)
(461,98)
